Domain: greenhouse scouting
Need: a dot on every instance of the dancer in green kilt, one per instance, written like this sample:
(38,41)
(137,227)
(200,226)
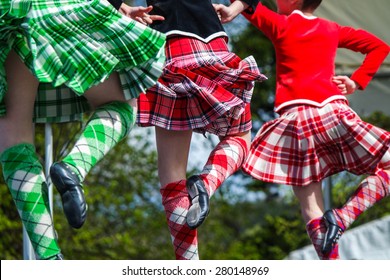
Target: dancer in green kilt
(82,50)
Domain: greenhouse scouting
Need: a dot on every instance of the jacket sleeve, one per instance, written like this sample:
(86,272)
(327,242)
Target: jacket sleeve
(374,49)
(116,3)
(266,20)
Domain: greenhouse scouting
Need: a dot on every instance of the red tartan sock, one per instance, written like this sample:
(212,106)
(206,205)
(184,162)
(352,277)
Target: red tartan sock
(226,158)
(316,229)
(370,191)
(176,203)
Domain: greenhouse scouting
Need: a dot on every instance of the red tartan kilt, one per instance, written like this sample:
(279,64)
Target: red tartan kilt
(307,144)
(204,88)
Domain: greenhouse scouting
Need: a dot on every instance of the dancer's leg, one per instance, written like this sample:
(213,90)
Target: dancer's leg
(173,150)
(110,123)
(176,203)
(22,171)
(16,126)
(311,200)
(312,208)
(370,191)
(23,174)
(225,159)
(316,229)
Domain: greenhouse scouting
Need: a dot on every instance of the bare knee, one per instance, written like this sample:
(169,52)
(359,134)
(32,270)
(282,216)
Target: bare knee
(108,91)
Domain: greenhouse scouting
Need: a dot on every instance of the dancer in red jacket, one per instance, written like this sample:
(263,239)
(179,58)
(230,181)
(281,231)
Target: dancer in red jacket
(317,133)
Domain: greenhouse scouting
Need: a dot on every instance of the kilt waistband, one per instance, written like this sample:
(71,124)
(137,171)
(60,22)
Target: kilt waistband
(295,107)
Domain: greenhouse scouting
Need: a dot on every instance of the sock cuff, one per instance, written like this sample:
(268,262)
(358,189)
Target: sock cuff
(240,141)
(314,223)
(126,113)
(173,190)
(384,177)
(20,157)
(16,148)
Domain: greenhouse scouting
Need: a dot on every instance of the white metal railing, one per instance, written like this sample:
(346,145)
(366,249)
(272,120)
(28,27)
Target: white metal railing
(28,251)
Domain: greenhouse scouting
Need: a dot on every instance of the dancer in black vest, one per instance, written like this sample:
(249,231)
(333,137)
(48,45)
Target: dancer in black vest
(206,89)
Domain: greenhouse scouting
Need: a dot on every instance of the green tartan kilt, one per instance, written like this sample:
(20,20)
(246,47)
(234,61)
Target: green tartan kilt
(72,45)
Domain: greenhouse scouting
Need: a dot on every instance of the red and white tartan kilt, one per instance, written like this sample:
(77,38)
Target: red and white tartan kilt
(204,88)
(307,144)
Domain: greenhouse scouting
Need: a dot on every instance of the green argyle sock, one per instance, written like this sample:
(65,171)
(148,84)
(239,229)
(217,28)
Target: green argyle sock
(108,125)
(23,174)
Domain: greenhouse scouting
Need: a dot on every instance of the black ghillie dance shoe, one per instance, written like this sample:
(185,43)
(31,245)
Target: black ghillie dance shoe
(333,232)
(72,194)
(200,202)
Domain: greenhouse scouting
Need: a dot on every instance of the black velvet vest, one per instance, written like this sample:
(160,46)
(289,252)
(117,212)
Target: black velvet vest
(195,18)
(187,17)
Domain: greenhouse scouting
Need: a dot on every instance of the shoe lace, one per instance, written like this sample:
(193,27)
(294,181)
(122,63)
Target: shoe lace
(336,239)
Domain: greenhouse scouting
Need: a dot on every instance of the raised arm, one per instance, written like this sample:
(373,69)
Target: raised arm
(374,49)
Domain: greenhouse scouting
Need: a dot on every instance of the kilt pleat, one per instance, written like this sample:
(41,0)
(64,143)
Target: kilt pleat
(78,44)
(307,144)
(204,88)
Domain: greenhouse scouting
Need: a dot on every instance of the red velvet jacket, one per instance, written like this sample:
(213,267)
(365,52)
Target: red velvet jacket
(305,55)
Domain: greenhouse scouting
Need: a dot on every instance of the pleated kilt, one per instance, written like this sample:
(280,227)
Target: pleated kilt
(204,88)
(77,44)
(307,144)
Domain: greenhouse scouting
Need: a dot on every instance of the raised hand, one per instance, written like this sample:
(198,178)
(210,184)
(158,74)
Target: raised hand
(225,14)
(139,13)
